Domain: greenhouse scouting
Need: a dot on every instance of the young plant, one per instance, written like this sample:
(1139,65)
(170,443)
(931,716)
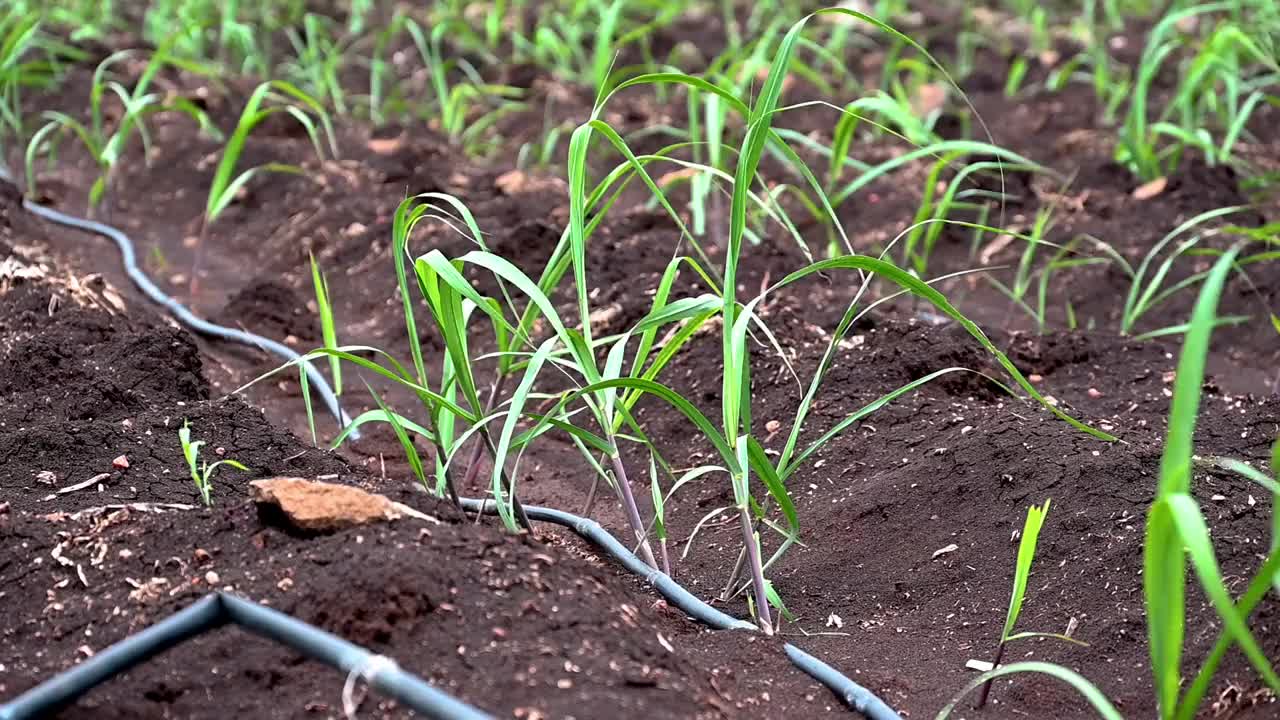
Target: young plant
(107,146)
(1176,532)
(28,59)
(318,61)
(1221,85)
(581,42)
(268,98)
(1147,292)
(607,375)
(1023,275)
(932,216)
(1022,572)
(201,471)
(1013,81)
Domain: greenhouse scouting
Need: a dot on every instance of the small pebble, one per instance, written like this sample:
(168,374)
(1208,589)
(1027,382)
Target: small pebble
(120,463)
(211,578)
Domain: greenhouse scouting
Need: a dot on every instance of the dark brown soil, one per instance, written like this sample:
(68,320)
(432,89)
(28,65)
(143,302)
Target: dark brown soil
(505,621)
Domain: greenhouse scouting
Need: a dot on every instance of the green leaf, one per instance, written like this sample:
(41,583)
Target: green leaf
(382,415)
(777,489)
(1163,579)
(505,497)
(924,290)
(327,325)
(406,443)
(1258,588)
(1022,571)
(1088,690)
(1195,535)
(1175,464)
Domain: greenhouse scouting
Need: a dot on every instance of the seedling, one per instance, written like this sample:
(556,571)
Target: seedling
(455,103)
(318,60)
(581,44)
(107,146)
(1022,277)
(739,452)
(267,99)
(1147,287)
(1013,82)
(1022,572)
(607,375)
(28,59)
(201,471)
(932,216)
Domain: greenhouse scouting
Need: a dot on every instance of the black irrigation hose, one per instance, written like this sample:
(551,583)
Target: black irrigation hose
(853,694)
(178,310)
(322,645)
(213,611)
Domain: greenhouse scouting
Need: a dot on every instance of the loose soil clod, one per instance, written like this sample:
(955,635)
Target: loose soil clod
(311,506)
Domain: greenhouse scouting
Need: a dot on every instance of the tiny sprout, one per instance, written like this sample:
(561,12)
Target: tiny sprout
(201,472)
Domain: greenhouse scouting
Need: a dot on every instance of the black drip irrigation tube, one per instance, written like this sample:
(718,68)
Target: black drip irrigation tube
(854,695)
(213,611)
(217,609)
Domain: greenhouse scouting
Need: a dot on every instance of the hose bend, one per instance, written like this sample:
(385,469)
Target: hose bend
(214,611)
(854,695)
(129,259)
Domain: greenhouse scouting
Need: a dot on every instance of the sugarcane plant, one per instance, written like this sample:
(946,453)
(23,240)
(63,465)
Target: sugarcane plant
(328,327)
(740,452)
(29,59)
(1224,81)
(463,109)
(107,143)
(267,99)
(1036,515)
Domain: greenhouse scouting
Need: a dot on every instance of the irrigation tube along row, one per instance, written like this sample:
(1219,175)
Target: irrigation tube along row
(853,694)
(219,608)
